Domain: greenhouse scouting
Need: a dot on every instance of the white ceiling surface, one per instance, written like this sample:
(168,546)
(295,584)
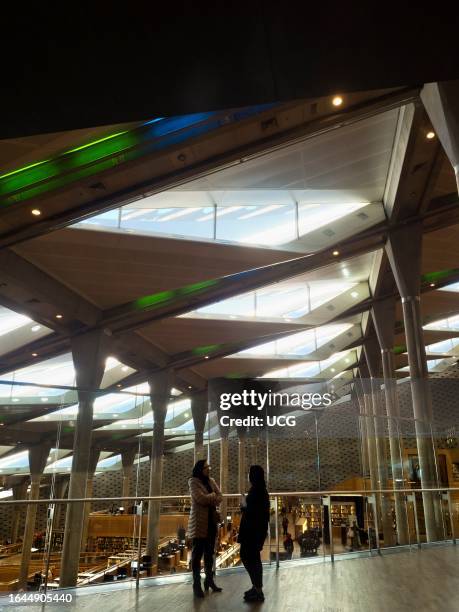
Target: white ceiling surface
(349,164)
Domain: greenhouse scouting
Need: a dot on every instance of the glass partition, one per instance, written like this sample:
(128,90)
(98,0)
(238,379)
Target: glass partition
(319,474)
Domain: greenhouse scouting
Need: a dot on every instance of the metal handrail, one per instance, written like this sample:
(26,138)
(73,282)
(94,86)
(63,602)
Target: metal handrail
(325,493)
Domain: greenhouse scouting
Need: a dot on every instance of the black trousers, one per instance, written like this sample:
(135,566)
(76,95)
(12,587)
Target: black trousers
(203,546)
(250,557)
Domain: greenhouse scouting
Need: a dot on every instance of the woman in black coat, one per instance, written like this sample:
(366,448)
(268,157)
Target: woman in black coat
(253,529)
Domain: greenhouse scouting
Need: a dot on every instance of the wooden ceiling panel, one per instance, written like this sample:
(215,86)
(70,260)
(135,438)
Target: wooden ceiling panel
(183,334)
(113,268)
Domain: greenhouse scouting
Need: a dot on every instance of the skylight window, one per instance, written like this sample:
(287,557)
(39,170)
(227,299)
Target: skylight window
(454,287)
(9,321)
(451,323)
(288,300)
(297,345)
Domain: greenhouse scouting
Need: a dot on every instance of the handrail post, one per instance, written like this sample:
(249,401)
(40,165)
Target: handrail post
(412,498)
(327,502)
(139,513)
(277,530)
(372,500)
(447,496)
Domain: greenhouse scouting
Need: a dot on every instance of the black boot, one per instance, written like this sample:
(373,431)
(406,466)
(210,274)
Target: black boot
(197,588)
(209,582)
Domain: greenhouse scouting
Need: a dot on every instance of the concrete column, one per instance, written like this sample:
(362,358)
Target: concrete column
(441,101)
(37,462)
(373,357)
(161,384)
(89,353)
(404,248)
(242,464)
(224,471)
(19,492)
(93,461)
(60,491)
(383,314)
(127,457)
(199,413)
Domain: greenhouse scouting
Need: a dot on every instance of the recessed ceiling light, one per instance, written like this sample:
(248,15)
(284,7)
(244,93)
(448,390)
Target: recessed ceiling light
(44,399)
(34,354)
(35,328)
(333,370)
(119,386)
(347,360)
(15,399)
(233,317)
(335,253)
(432,284)
(337,101)
(36,212)
(58,316)
(354,294)
(430,135)
(115,414)
(123,426)
(124,369)
(206,357)
(186,414)
(190,387)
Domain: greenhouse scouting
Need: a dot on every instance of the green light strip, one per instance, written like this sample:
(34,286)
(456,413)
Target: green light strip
(159,299)
(94,142)
(432,277)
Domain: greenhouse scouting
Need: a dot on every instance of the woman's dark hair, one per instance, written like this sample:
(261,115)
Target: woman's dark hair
(198,467)
(257,476)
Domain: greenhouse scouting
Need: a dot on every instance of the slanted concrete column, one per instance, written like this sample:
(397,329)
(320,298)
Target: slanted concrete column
(441,101)
(161,384)
(224,470)
(37,462)
(59,493)
(383,314)
(19,492)
(93,461)
(242,463)
(373,357)
(127,458)
(199,413)
(89,353)
(404,248)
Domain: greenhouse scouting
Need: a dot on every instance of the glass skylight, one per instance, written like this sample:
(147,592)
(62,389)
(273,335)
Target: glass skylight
(451,323)
(297,345)
(178,408)
(288,300)
(9,321)
(255,217)
(454,287)
(312,369)
(56,371)
(17,330)
(444,346)
(18,461)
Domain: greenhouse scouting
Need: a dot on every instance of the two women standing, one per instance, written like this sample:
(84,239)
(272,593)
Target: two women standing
(203,523)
